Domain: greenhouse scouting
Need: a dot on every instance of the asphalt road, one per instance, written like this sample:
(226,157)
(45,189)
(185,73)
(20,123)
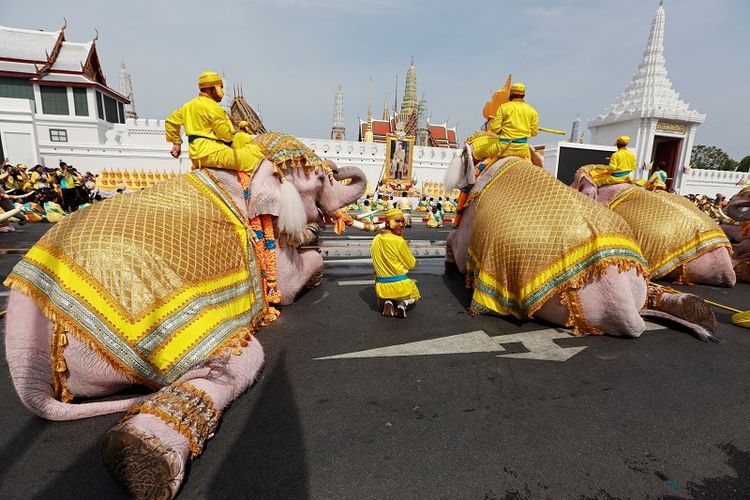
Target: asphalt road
(450,414)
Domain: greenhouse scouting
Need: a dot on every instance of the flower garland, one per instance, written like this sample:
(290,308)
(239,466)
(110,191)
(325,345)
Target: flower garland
(264,241)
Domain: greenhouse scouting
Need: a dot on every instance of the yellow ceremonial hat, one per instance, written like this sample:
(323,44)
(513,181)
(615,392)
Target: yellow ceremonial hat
(243,125)
(518,88)
(393,213)
(624,139)
(209,79)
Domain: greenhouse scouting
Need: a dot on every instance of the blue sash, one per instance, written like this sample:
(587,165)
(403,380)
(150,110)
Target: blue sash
(392,279)
(522,140)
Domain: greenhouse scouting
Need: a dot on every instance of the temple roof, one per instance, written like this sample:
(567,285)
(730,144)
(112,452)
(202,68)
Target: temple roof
(27,45)
(45,57)
(72,57)
(650,93)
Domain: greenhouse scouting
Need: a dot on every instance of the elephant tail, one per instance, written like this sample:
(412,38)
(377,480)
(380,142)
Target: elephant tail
(27,348)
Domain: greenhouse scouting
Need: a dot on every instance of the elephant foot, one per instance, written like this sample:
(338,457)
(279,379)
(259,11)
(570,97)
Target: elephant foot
(146,457)
(690,308)
(685,309)
(742,268)
(141,464)
(315,280)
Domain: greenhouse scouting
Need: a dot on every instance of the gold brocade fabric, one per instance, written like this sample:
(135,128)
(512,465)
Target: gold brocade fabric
(670,229)
(287,151)
(156,280)
(533,237)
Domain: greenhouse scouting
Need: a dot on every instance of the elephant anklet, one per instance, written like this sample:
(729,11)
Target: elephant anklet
(186,409)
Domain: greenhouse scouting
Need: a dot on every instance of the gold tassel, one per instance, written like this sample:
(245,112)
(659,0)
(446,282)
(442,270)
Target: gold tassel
(57,361)
(576,317)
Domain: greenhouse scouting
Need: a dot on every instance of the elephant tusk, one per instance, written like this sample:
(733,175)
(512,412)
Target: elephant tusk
(362,216)
(724,215)
(366,226)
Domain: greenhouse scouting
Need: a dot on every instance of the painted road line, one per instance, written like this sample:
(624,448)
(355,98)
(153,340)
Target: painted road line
(539,344)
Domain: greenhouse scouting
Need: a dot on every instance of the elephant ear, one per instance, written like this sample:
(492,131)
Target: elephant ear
(460,172)
(292,217)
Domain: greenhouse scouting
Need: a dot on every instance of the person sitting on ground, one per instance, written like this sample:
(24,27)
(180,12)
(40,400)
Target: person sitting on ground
(423,205)
(392,260)
(434,218)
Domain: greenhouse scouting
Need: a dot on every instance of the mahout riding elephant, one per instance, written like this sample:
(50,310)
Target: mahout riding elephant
(165,288)
(680,242)
(532,247)
(738,209)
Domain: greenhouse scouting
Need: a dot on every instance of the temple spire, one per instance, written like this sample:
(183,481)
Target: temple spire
(338,132)
(126,89)
(650,92)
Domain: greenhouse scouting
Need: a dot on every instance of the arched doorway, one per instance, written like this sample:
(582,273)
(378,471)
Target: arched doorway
(667,150)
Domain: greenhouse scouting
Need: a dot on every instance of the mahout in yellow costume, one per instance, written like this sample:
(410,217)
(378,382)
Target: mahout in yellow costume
(210,131)
(392,260)
(509,130)
(621,165)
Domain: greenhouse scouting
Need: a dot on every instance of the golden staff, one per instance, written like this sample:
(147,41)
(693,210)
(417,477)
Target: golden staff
(553,131)
(720,306)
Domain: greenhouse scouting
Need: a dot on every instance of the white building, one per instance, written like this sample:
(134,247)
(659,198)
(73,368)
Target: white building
(662,128)
(53,95)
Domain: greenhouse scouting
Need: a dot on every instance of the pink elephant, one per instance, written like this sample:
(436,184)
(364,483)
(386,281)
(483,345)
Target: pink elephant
(149,450)
(513,214)
(680,242)
(738,209)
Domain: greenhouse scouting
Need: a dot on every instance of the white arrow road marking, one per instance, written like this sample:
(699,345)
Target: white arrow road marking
(470,342)
(539,344)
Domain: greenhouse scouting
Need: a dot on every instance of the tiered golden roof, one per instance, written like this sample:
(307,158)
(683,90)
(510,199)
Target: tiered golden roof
(436,189)
(109,180)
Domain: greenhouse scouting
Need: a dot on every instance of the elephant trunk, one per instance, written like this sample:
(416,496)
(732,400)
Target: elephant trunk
(343,195)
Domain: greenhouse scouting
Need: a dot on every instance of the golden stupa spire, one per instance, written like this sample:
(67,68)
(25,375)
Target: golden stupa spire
(368,132)
(385,107)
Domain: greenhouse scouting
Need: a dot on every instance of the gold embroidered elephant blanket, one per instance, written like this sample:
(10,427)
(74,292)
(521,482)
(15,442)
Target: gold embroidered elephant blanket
(533,238)
(670,229)
(155,281)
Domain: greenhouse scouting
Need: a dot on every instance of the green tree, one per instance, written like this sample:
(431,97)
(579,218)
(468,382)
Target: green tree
(744,165)
(710,158)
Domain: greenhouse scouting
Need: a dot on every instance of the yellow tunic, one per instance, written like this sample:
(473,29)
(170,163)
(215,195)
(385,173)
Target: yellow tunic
(391,257)
(209,132)
(514,120)
(621,165)
(241,139)
(658,180)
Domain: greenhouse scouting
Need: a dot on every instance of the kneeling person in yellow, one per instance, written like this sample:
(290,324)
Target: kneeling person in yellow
(622,163)
(392,259)
(209,130)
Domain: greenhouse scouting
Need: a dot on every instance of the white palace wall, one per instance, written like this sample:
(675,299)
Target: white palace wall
(95,145)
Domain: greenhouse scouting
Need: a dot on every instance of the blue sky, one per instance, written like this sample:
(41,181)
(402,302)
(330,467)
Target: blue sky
(575,56)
